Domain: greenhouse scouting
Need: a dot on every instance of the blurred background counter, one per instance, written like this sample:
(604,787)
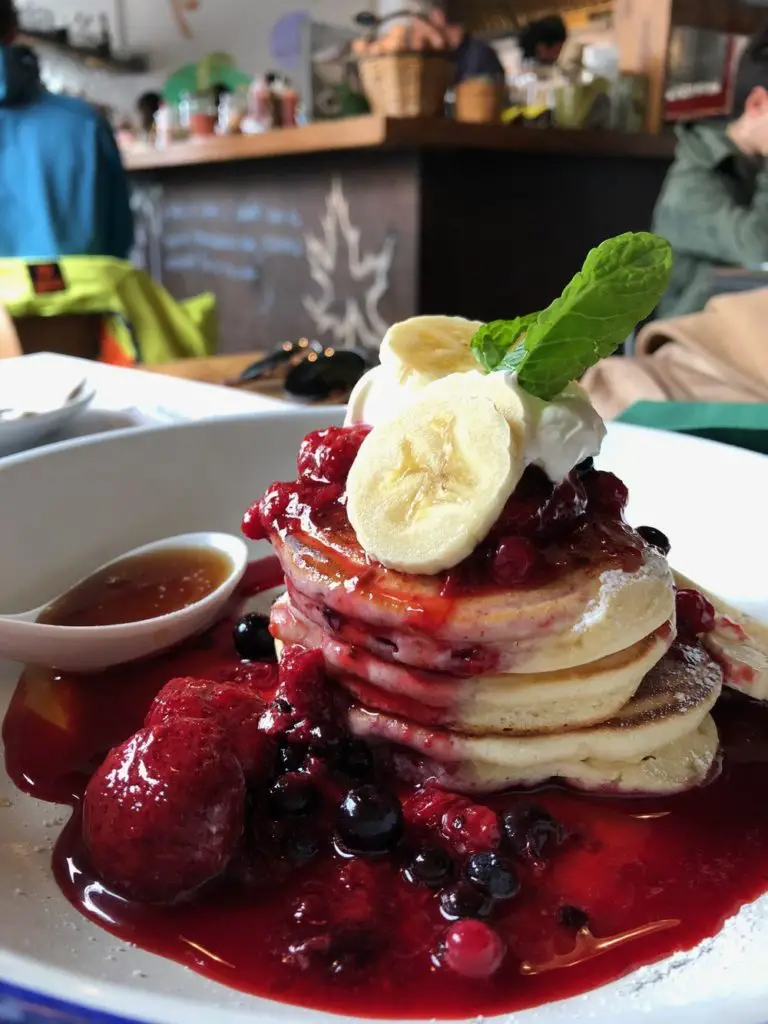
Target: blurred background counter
(335,230)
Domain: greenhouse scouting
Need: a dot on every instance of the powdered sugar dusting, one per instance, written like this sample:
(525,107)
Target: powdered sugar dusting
(720,980)
(727,962)
(613,581)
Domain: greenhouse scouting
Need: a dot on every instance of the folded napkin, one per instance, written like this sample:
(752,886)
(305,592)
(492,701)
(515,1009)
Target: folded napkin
(743,425)
(718,357)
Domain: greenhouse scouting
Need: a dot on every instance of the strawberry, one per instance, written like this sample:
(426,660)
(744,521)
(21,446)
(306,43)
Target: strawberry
(164,813)
(236,709)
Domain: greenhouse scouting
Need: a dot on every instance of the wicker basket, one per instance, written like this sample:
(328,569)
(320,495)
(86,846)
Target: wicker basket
(408,84)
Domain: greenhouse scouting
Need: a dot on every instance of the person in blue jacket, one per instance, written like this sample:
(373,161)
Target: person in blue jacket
(63,189)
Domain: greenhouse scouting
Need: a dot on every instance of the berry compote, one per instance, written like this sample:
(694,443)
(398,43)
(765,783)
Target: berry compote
(543,531)
(338,887)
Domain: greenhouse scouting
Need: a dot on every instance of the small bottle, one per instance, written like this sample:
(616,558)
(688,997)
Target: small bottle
(290,104)
(164,126)
(185,111)
(260,104)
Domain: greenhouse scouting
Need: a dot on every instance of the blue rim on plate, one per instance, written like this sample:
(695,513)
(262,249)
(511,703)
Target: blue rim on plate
(20,1006)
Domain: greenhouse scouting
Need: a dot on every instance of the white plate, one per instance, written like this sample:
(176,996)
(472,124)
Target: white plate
(124,398)
(69,508)
(25,387)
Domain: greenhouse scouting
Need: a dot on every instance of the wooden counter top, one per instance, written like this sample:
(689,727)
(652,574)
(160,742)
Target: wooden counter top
(365,133)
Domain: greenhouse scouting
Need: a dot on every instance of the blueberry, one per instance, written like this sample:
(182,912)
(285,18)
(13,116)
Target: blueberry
(530,832)
(323,737)
(462,900)
(429,865)
(253,640)
(655,538)
(493,875)
(292,797)
(572,918)
(355,759)
(290,757)
(369,821)
(301,846)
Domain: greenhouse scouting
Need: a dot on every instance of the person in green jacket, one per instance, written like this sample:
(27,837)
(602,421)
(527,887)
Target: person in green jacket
(713,207)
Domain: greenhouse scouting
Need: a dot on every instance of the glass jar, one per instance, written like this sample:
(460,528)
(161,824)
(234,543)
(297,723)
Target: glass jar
(233,109)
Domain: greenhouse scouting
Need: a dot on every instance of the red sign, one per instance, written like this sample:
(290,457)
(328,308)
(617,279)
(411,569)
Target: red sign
(46,278)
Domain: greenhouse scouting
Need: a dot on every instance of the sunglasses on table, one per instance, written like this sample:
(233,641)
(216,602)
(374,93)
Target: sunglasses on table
(311,372)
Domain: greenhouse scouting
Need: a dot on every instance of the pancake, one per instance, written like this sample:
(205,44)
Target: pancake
(681,765)
(582,616)
(498,703)
(672,702)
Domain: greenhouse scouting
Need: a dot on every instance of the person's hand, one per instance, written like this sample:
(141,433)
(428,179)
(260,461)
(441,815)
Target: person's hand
(750,133)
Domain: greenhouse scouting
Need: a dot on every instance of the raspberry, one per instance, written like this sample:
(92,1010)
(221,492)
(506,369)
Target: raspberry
(695,614)
(252,525)
(303,683)
(471,828)
(275,505)
(234,709)
(326,456)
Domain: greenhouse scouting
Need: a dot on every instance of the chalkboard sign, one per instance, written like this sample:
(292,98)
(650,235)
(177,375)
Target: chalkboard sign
(289,251)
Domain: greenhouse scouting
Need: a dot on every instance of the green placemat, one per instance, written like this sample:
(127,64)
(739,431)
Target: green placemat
(744,425)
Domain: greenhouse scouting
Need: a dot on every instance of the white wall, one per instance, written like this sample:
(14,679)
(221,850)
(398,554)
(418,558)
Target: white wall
(239,27)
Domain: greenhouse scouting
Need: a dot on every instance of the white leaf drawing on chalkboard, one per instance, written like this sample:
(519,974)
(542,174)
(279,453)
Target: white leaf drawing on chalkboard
(350,320)
(147,208)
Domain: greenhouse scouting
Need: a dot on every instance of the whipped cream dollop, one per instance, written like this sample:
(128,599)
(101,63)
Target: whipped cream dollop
(558,435)
(562,433)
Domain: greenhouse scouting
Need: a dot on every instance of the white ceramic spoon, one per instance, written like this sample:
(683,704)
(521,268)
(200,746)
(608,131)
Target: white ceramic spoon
(90,648)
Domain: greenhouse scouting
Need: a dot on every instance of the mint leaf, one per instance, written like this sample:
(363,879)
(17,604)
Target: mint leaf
(514,357)
(620,283)
(493,342)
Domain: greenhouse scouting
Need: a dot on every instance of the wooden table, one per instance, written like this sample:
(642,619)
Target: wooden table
(220,369)
(216,370)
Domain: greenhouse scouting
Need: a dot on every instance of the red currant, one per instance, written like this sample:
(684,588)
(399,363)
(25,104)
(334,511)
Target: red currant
(472,949)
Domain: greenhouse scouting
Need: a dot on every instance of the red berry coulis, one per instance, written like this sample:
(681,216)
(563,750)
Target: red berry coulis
(543,530)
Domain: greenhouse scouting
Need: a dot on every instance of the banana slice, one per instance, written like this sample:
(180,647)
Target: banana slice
(493,386)
(427,487)
(425,348)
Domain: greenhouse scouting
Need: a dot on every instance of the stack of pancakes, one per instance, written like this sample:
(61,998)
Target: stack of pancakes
(572,680)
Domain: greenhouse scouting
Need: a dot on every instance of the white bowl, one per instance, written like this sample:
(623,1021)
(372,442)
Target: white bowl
(75,506)
(43,400)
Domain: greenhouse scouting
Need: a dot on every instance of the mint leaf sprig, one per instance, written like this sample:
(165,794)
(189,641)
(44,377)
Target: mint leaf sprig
(620,283)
